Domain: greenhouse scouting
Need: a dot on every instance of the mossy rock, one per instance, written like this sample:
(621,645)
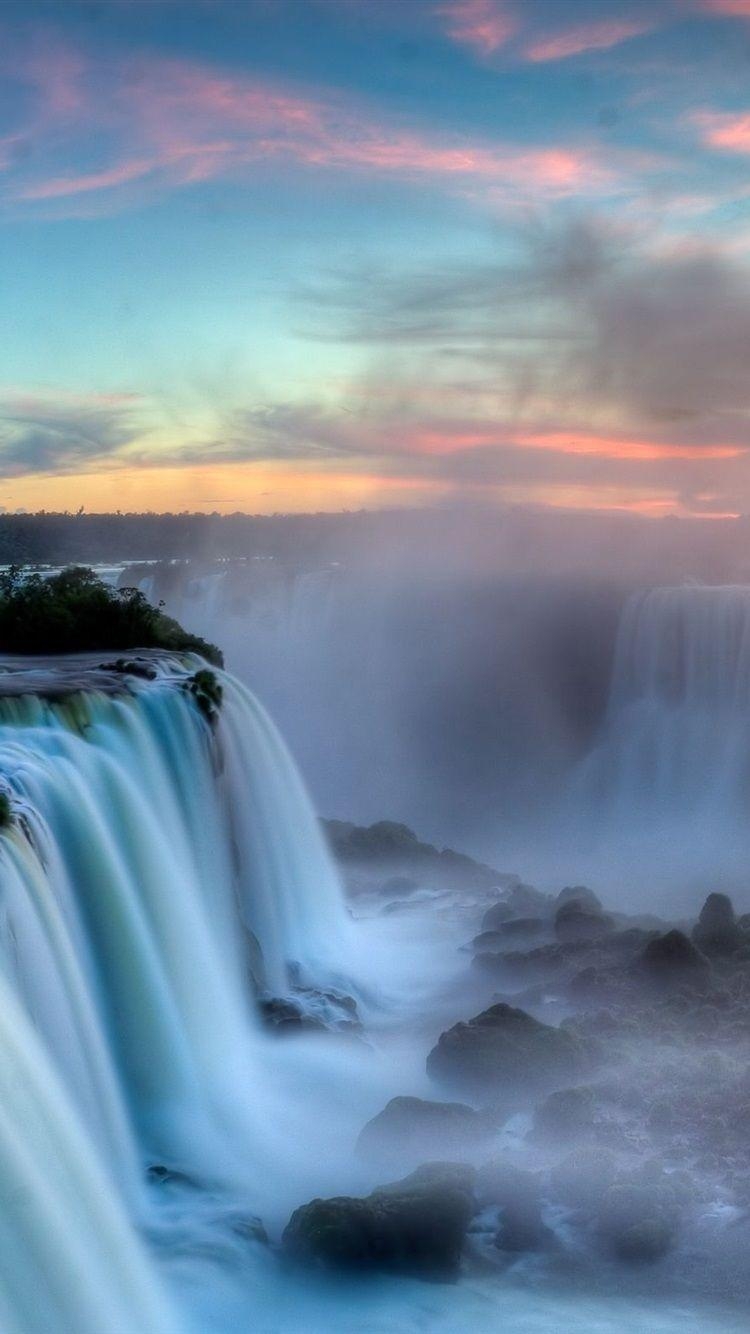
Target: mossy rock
(207,691)
(415,1226)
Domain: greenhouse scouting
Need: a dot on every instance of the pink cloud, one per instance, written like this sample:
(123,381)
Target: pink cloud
(735,9)
(725,130)
(483,25)
(452,437)
(587,37)
(167,124)
(61,186)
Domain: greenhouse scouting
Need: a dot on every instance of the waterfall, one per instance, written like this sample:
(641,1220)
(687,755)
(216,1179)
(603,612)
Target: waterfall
(157,869)
(669,774)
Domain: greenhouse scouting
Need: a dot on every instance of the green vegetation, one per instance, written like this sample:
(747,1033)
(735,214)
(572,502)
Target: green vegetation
(207,691)
(74,612)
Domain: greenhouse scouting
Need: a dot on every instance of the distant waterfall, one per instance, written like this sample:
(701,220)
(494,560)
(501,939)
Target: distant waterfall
(155,872)
(670,770)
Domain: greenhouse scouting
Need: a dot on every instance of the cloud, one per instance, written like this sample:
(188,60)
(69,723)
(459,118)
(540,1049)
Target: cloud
(593,353)
(483,25)
(598,36)
(734,9)
(64,433)
(165,124)
(725,130)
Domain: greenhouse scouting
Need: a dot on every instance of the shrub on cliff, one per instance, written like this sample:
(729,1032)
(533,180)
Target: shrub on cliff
(74,612)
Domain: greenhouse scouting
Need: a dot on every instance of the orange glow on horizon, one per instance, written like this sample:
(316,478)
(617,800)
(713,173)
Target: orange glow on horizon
(565,442)
(292,488)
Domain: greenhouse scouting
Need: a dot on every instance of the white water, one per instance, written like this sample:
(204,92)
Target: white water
(167,868)
(144,852)
(663,797)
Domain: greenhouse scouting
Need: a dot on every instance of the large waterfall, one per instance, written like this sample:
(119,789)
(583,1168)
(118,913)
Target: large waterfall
(157,871)
(665,788)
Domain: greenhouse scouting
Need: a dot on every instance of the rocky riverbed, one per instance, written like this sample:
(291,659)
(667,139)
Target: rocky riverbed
(587,1113)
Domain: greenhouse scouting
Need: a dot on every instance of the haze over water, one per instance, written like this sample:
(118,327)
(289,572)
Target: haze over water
(375,819)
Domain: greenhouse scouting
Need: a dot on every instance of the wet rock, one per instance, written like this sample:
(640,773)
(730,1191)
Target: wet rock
(520,926)
(673,960)
(285,1015)
(494,917)
(415,1226)
(310,1010)
(578,921)
(579,894)
(411,1128)
(717,932)
(638,1219)
(516,1192)
(388,845)
(527,901)
(567,1114)
(506,1051)
(489,940)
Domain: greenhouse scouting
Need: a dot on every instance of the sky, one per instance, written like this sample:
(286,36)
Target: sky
(291,255)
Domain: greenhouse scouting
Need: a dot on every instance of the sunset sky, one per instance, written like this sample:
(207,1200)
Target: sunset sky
(318,254)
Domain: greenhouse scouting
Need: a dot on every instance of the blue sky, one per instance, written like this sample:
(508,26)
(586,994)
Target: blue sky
(295,254)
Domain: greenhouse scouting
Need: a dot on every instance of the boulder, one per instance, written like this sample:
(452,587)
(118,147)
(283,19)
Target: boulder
(579,894)
(527,901)
(499,912)
(717,931)
(415,1226)
(410,1128)
(673,960)
(516,1193)
(520,926)
(575,920)
(309,1010)
(638,1219)
(506,1051)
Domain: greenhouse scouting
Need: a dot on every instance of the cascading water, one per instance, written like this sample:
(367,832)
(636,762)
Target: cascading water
(667,782)
(154,872)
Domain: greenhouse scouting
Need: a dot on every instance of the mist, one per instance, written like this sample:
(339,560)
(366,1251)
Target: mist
(464,673)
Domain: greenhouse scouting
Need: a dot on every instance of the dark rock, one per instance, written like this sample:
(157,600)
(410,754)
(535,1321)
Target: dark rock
(414,1226)
(516,1193)
(490,940)
(579,894)
(673,960)
(310,1010)
(505,1050)
(578,921)
(496,915)
(717,931)
(638,1218)
(520,926)
(415,1127)
(527,901)
(393,845)
(566,1114)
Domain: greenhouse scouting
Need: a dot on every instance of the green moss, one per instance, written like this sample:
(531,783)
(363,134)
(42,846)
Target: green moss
(74,612)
